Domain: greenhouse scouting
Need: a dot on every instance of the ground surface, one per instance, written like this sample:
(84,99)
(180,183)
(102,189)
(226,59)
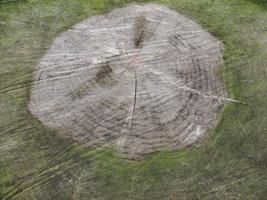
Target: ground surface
(37,164)
(139,82)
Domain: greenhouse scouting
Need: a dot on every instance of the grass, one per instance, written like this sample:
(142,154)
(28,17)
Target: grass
(37,164)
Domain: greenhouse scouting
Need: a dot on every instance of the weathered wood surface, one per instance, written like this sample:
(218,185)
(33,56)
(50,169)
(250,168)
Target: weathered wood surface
(140,79)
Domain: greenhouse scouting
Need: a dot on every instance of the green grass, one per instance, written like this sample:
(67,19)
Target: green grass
(37,164)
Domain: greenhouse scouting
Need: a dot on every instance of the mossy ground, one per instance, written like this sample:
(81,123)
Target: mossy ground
(37,164)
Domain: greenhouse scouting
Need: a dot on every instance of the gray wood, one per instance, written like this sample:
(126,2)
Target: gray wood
(142,78)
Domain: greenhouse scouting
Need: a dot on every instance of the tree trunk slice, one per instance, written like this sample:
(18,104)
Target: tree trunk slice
(140,79)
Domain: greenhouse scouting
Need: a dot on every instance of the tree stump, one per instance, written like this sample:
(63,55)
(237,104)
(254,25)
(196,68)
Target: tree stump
(142,78)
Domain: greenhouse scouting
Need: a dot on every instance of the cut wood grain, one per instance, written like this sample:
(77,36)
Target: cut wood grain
(140,79)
